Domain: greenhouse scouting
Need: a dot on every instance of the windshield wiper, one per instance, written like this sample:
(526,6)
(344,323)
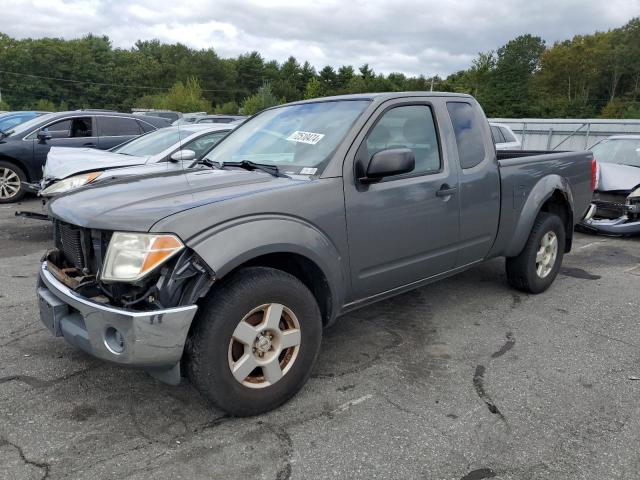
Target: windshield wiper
(249,165)
(206,162)
(5,133)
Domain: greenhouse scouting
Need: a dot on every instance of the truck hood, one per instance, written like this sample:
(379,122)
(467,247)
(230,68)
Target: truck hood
(137,203)
(63,162)
(616,177)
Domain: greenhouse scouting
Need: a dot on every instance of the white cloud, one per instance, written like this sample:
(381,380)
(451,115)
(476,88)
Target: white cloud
(410,36)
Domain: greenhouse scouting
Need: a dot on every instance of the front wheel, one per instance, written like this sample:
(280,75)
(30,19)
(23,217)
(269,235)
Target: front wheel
(537,266)
(255,341)
(11,178)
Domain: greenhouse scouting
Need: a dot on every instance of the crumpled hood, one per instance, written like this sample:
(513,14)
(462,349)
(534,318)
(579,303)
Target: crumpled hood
(613,176)
(63,162)
(137,203)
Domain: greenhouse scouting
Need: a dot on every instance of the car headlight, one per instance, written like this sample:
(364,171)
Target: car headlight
(70,183)
(635,194)
(131,256)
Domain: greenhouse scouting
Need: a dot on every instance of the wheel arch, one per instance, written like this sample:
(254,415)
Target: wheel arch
(551,194)
(290,245)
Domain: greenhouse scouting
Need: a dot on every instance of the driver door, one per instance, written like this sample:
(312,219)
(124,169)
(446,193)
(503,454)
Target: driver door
(71,132)
(402,229)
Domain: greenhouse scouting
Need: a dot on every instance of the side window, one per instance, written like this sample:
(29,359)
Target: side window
(81,127)
(146,127)
(508,136)
(466,127)
(203,144)
(59,129)
(117,126)
(412,127)
(496,133)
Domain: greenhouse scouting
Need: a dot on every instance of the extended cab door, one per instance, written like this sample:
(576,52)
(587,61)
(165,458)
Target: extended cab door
(404,228)
(479,180)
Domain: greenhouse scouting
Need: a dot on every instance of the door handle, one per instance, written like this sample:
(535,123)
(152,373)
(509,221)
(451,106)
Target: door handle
(90,145)
(446,191)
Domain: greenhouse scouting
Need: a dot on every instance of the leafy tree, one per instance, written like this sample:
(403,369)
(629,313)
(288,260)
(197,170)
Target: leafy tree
(314,89)
(228,108)
(182,97)
(263,98)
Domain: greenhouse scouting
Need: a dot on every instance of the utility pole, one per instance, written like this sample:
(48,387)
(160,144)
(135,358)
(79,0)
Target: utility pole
(431,90)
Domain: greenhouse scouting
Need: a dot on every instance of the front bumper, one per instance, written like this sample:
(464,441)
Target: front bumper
(152,340)
(617,226)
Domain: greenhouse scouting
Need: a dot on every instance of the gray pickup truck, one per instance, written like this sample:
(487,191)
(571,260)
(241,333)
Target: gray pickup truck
(227,272)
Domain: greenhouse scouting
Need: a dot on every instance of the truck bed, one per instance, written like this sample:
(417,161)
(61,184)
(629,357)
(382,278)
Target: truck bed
(524,175)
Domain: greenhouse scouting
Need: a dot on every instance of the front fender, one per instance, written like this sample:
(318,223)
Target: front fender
(229,245)
(540,193)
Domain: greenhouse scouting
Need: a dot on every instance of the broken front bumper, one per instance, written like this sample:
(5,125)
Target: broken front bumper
(618,226)
(152,340)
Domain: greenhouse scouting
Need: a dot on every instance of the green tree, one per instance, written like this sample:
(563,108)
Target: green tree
(314,89)
(181,97)
(228,108)
(263,98)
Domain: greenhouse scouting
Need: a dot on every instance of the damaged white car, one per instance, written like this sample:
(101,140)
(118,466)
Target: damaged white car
(170,148)
(616,199)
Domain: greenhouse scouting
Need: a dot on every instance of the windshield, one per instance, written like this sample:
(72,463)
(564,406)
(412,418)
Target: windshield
(293,137)
(624,151)
(9,121)
(28,125)
(154,142)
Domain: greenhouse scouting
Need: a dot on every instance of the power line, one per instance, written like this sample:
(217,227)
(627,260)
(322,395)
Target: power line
(69,80)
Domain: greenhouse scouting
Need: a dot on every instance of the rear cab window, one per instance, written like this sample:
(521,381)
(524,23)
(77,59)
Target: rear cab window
(468,132)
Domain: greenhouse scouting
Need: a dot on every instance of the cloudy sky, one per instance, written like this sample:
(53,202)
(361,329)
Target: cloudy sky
(410,36)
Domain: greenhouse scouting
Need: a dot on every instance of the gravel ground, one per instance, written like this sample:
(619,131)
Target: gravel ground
(465,379)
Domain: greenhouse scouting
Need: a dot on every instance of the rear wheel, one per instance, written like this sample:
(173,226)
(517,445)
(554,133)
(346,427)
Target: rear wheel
(537,266)
(11,178)
(255,341)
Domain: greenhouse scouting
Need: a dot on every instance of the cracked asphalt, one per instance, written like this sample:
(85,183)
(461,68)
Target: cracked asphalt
(464,379)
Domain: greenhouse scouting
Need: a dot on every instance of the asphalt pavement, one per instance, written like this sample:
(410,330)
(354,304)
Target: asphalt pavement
(464,379)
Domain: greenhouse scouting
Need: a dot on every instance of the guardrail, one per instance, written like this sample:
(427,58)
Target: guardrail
(571,134)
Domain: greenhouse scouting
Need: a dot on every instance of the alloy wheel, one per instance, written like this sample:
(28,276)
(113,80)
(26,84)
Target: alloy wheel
(264,346)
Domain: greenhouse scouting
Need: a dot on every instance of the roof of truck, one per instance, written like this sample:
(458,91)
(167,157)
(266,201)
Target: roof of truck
(384,96)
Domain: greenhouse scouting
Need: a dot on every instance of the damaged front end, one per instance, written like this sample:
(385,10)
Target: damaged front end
(616,213)
(141,323)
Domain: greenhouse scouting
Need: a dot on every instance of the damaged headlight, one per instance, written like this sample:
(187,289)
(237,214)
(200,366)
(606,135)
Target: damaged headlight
(70,183)
(131,256)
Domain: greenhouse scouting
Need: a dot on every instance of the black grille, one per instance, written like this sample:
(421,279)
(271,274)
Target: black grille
(68,239)
(609,205)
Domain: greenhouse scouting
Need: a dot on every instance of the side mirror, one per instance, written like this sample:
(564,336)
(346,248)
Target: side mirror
(43,136)
(385,163)
(183,155)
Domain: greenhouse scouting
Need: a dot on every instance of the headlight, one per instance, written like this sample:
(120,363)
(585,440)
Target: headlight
(130,256)
(70,183)
(635,194)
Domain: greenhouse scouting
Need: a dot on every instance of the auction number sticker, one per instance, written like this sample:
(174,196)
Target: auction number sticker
(305,137)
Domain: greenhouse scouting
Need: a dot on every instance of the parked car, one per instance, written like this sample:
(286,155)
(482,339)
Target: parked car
(616,199)
(168,114)
(306,211)
(24,148)
(191,119)
(504,138)
(166,149)
(9,120)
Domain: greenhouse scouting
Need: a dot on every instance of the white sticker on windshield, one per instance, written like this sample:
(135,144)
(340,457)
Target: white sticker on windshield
(308,171)
(305,137)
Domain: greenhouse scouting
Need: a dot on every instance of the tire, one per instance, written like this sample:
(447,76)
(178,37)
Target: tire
(213,349)
(524,272)
(11,176)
